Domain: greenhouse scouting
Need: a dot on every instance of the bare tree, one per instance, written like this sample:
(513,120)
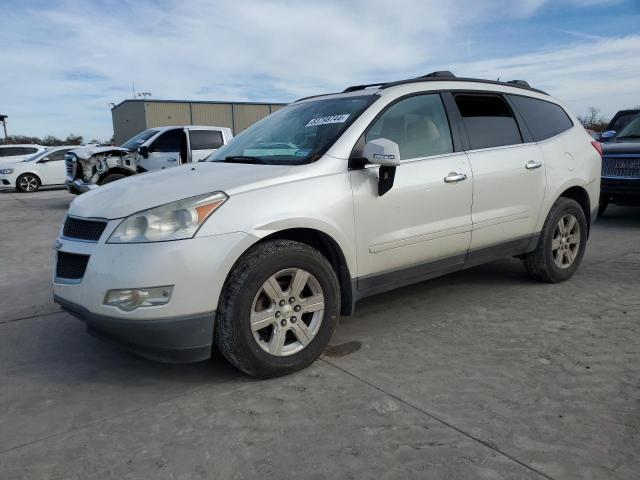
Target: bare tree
(593,120)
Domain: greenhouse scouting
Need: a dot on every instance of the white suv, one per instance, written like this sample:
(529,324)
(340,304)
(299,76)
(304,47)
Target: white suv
(329,200)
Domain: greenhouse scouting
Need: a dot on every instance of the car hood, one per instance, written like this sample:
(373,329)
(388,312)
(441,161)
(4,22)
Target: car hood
(87,152)
(140,192)
(616,148)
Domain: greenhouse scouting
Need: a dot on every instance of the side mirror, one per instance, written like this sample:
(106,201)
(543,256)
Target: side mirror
(144,151)
(44,160)
(385,153)
(608,134)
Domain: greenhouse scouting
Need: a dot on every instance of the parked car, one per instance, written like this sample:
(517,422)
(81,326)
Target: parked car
(16,153)
(620,120)
(326,201)
(621,168)
(153,149)
(42,169)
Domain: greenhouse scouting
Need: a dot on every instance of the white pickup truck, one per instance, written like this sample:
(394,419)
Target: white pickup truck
(153,149)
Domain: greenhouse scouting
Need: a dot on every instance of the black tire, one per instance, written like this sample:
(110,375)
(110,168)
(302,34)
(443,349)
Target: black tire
(233,334)
(28,183)
(540,263)
(112,178)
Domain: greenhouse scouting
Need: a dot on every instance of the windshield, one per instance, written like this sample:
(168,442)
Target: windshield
(632,130)
(133,143)
(295,134)
(36,156)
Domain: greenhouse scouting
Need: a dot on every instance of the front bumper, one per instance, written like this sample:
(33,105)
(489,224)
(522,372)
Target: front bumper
(77,186)
(172,340)
(8,180)
(621,191)
(181,330)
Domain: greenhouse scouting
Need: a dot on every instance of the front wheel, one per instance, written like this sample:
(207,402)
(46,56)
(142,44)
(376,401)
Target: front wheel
(278,310)
(112,178)
(561,245)
(27,183)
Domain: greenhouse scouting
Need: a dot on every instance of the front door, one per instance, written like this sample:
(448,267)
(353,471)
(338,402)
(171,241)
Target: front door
(508,174)
(52,169)
(422,225)
(165,150)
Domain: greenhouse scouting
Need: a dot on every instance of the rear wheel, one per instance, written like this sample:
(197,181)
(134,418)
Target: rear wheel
(278,310)
(562,243)
(112,178)
(27,182)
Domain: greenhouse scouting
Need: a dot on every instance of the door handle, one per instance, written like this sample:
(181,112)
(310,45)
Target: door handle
(532,165)
(172,159)
(454,177)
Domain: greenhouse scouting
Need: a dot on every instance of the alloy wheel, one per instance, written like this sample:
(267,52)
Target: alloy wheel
(29,183)
(287,312)
(566,241)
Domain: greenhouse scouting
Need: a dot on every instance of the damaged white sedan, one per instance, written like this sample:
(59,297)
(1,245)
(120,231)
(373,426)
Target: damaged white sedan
(154,149)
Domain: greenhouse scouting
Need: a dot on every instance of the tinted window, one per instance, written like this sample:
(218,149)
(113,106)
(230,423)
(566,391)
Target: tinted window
(135,142)
(169,141)
(417,124)
(11,151)
(205,139)
(488,120)
(622,121)
(544,119)
(57,155)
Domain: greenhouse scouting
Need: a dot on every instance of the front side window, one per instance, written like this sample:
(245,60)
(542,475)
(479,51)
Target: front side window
(488,120)
(418,125)
(544,119)
(168,142)
(57,155)
(296,134)
(205,139)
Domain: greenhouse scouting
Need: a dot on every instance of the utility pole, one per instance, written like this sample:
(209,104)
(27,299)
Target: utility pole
(3,119)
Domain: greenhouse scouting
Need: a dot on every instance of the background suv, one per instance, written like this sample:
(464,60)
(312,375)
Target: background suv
(324,202)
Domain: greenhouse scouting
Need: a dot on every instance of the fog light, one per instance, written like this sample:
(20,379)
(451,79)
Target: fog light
(129,299)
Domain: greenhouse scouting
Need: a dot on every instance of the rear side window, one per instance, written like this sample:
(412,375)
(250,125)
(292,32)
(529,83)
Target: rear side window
(417,124)
(205,139)
(544,119)
(11,151)
(488,120)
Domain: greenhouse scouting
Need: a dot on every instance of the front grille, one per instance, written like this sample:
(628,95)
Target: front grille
(624,166)
(89,230)
(71,266)
(70,166)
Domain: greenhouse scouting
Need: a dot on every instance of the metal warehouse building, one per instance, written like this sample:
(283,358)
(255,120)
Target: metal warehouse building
(133,116)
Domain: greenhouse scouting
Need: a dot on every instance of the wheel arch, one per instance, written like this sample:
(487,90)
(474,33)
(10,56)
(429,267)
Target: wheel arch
(29,172)
(326,245)
(115,170)
(580,195)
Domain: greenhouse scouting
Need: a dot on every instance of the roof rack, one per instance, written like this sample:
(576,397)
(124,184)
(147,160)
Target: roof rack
(440,75)
(521,83)
(354,88)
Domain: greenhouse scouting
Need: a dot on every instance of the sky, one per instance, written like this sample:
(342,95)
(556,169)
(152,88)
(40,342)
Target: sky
(63,62)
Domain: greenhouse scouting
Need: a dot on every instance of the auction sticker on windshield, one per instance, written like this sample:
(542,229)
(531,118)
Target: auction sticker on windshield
(327,120)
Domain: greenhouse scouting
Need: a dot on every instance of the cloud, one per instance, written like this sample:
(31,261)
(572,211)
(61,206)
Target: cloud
(63,64)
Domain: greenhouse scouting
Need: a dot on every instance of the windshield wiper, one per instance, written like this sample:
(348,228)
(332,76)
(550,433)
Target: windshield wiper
(244,159)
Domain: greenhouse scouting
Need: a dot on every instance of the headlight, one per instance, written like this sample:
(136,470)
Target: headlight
(6,171)
(173,221)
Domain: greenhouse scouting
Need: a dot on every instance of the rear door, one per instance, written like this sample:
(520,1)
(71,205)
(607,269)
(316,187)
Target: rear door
(508,175)
(422,226)
(204,142)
